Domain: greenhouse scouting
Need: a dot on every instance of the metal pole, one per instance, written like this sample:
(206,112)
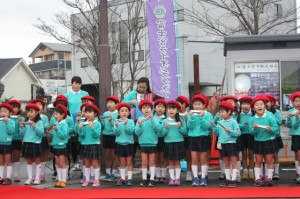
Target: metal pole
(196,75)
(104,67)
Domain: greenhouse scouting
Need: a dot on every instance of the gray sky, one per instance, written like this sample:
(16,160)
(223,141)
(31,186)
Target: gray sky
(18,36)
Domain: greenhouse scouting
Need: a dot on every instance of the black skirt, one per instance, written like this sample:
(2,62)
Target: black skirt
(200,144)
(229,149)
(161,145)
(45,144)
(92,151)
(5,149)
(151,149)
(174,151)
(125,150)
(32,150)
(58,152)
(279,143)
(295,143)
(248,141)
(186,143)
(109,142)
(16,145)
(264,147)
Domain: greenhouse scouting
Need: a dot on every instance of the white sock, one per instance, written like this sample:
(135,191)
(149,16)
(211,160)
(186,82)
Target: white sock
(64,174)
(227,174)
(130,175)
(270,173)
(222,166)
(33,169)
(262,169)
(97,173)
(43,168)
(239,168)
(92,171)
(8,172)
(126,171)
(16,169)
(276,167)
(83,170)
(38,171)
(234,174)
(122,173)
(59,174)
(29,170)
(266,170)
(107,171)
(257,173)
(199,173)
(152,173)
(204,170)
(245,170)
(297,167)
(250,170)
(172,174)
(177,173)
(2,172)
(144,173)
(163,172)
(157,172)
(114,172)
(87,174)
(195,170)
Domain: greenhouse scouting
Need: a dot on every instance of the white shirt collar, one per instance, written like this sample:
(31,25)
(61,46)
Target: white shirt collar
(115,111)
(170,119)
(78,92)
(264,115)
(62,121)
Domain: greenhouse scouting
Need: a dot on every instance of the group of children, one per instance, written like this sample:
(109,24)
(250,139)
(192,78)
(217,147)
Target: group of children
(167,133)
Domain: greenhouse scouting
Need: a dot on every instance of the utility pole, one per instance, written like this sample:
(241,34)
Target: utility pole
(196,74)
(104,67)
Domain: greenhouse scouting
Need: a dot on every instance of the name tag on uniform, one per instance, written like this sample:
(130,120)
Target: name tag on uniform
(261,126)
(173,123)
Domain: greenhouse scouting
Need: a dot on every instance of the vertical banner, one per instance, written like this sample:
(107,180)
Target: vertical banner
(162,44)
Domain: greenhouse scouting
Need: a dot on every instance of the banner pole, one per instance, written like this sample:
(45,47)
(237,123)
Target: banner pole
(175,3)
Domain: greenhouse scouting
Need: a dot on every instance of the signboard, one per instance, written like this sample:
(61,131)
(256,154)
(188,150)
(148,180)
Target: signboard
(54,87)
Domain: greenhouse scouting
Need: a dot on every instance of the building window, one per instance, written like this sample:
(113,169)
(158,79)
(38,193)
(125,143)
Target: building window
(138,55)
(123,41)
(180,15)
(84,62)
(61,55)
(113,58)
(278,10)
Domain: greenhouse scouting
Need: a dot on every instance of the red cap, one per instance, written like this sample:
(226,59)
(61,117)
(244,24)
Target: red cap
(61,96)
(123,105)
(8,106)
(263,98)
(227,105)
(227,97)
(143,102)
(63,108)
(93,106)
(185,100)
(88,97)
(201,97)
(38,100)
(173,102)
(245,98)
(113,98)
(294,95)
(33,106)
(160,101)
(83,105)
(271,98)
(14,102)
(60,99)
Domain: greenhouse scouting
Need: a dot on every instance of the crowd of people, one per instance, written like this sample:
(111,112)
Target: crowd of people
(165,132)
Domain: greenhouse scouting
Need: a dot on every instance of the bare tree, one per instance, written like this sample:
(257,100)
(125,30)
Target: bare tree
(252,17)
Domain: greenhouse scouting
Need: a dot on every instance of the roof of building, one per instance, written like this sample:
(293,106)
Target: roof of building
(48,65)
(56,47)
(259,39)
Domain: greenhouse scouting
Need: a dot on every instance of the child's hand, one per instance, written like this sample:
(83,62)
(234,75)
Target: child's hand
(55,127)
(20,118)
(78,118)
(202,113)
(21,125)
(167,125)
(80,126)
(219,146)
(140,122)
(109,118)
(125,121)
(211,123)
(290,115)
(33,124)
(151,116)
(227,130)
(246,123)
(268,128)
(191,113)
(179,124)
(296,114)
(116,123)
(255,126)
(91,125)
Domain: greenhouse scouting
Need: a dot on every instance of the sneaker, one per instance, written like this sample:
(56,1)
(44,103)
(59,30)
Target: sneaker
(129,183)
(171,182)
(189,177)
(297,176)
(119,183)
(63,185)
(196,182)
(269,182)
(7,181)
(245,176)
(298,180)
(238,179)
(203,182)
(144,183)
(82,180)
(162,180)
(28,181)
(42,178)
(176,182)
(85,183)
(107,177)
(112,178)
(262,178)
(258,183)
(1,180)
(151,183)
(57,184)
(222,176)
(123,182)
(156,179)
(224,184)
(37,181)
(251,176)
(275,176)
(231,184)
(17,179)
(96,184)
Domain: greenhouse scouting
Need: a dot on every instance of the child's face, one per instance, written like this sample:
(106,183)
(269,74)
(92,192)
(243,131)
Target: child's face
(90,115)
(58,116)
(39,104)
(245,107)
(259,107)
(198,105)
(224,114)
(124,112)
(16,108)
(87,101)
(31,113)
(232,102)
(4,112)
(160,109)
(296,103)
(146,110)
(172,110)
(111,105)
(268,104)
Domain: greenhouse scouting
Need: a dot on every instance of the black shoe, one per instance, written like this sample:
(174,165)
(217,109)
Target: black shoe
(151,183)
(224,184)
(231,184)
(144,183)
(129,183)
